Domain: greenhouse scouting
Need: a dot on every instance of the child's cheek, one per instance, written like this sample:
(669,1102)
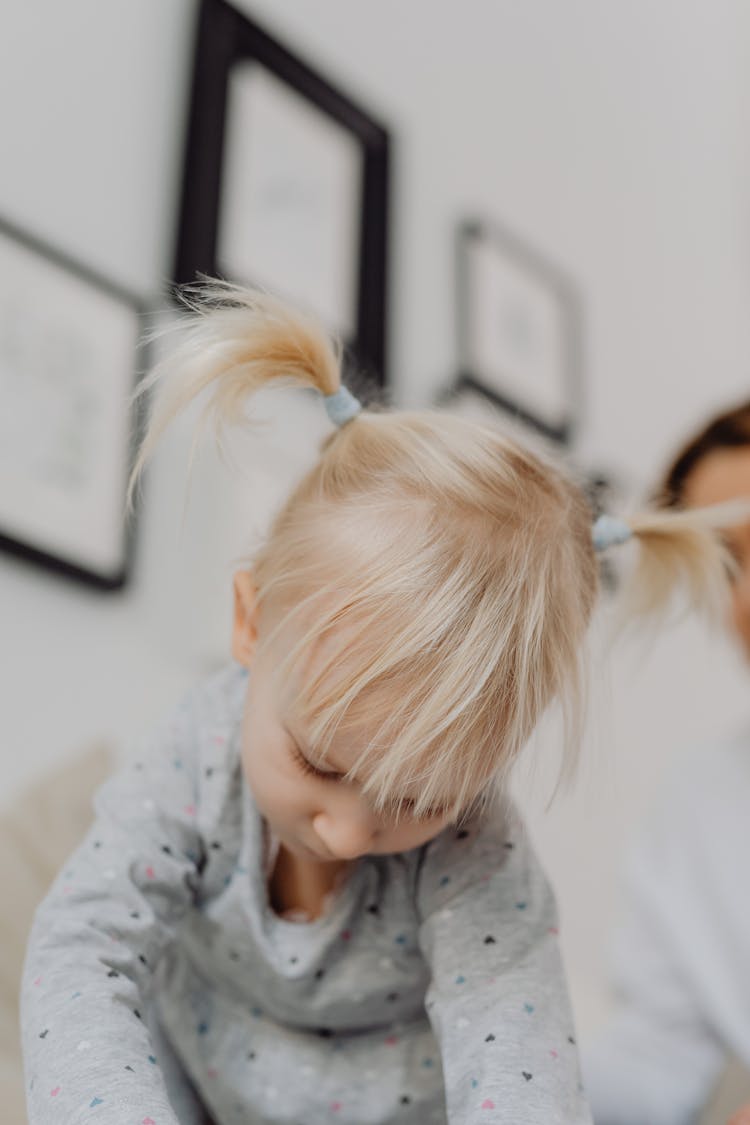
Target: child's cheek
(409,836)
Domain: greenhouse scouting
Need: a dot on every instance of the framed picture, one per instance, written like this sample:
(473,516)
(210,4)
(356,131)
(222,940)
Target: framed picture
(519,330)
(285,183)
(467,401)
(68,354)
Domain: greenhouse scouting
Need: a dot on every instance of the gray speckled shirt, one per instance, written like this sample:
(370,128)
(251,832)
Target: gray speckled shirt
(430,990)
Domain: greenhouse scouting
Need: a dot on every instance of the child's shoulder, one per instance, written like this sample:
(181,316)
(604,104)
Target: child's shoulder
(219,697)
(483,871)
(493,842)
(488,835)
(210,702)
(189,762)
(203,724)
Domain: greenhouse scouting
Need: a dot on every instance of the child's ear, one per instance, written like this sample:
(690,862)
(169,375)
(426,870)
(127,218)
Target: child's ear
(246,615)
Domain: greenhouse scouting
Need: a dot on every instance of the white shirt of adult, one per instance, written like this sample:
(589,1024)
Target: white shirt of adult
(682,956)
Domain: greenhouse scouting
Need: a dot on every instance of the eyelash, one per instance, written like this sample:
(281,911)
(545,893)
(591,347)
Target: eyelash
(309,769)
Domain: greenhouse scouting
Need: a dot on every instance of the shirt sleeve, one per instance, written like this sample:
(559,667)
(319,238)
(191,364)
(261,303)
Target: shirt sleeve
(98,935)
(497,1000)
(660,1054)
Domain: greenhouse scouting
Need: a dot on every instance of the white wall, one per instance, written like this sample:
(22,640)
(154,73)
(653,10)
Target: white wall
(613,136)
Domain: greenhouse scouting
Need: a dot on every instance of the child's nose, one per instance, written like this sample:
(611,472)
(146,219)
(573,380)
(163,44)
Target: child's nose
(347,834)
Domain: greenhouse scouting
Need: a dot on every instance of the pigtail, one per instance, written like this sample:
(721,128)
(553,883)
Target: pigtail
(681,548)
(236,341)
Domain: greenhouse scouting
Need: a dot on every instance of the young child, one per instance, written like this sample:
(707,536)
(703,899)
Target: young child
(682,957)
(302,901)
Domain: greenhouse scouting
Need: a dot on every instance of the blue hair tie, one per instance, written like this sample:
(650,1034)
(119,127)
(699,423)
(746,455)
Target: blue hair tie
(608,531)
(342,406)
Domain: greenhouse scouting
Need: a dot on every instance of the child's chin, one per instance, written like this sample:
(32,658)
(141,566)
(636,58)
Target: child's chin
(303,851)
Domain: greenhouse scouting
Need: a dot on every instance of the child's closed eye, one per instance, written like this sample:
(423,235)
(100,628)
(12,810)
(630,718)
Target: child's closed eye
(404,809)
(308,768)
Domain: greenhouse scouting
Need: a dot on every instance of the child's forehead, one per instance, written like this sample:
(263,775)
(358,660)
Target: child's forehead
(323,660)
(360,717)
(319,639)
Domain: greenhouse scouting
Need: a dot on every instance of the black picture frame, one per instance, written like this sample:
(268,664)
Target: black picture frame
(529,360)
(229,44)
(70,351)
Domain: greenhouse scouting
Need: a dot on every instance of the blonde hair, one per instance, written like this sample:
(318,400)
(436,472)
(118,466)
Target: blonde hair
(442,575)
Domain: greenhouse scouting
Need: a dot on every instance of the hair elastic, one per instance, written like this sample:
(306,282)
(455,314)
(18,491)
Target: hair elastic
(609,531)
(342,406)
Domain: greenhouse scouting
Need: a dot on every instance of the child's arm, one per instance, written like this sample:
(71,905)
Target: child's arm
(498,1001)
(96,939)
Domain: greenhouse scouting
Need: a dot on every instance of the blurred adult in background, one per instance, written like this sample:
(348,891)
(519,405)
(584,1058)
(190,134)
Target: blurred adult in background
(682,957)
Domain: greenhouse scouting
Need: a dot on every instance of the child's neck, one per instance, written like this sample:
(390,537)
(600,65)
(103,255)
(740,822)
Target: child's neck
(302,884)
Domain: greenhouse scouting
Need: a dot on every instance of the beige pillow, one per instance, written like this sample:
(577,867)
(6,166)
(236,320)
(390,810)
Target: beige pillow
(37,833)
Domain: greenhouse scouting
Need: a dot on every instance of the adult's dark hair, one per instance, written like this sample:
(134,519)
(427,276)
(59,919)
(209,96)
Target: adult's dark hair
(729,430)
